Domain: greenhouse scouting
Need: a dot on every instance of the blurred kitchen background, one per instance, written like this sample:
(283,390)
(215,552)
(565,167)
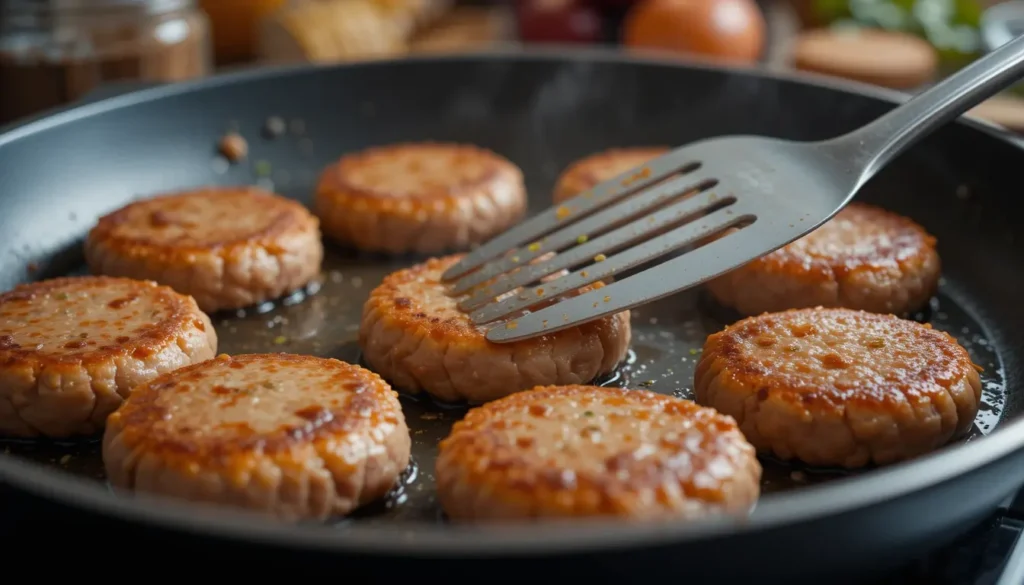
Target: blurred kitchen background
(56,51)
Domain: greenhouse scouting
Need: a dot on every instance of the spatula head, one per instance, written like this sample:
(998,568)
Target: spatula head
(725,201)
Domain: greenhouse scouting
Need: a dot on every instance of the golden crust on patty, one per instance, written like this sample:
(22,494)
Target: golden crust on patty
(414,334)
(72,349)
(229,247)
(840,387)
(864,258)
(577,451)
(419,198)
(295,437)
(599,167)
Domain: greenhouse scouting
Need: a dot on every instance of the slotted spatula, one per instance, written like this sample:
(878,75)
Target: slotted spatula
(731,199)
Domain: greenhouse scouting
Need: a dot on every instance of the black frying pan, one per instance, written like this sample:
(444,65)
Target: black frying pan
(541,110)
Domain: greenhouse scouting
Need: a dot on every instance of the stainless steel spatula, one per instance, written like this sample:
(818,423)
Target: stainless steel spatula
(731,199)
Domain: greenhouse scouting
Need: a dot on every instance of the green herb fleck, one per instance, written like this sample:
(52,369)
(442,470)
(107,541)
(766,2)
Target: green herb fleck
(582,239)
(694,351)
(262,168)
(588,413)
(280,340)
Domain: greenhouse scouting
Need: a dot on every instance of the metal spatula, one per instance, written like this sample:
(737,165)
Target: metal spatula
(730,199)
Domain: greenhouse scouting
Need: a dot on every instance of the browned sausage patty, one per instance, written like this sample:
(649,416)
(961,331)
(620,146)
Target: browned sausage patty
(840,387)
(296,437)
(71,349)
(228,247)
(425,198)
(414,335)
(575,451)
(597,168)
(864,258)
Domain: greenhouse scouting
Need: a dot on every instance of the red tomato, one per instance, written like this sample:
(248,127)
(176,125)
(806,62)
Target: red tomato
(727,29)
(559,21)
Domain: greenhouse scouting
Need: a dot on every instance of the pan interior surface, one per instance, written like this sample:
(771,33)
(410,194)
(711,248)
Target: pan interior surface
(542,113)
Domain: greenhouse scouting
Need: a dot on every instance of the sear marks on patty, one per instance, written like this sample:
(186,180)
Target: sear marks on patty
(72,349)
(864,258)
(419,197)
(599,167)
(579,451)
(294,437)
(229,247)
(413,334)
(839,387)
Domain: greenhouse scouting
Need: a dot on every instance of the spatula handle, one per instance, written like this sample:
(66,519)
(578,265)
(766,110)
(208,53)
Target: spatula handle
(874,145)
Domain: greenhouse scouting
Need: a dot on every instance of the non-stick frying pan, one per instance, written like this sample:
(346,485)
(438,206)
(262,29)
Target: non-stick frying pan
(542,110)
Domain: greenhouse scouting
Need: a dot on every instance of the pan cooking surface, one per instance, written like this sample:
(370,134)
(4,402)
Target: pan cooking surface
(542,115)
(668,336)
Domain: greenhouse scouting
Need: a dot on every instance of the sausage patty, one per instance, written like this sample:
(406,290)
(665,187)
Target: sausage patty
(228,247)
(424,198)
(72,349)
(864,258)
(597,168)
(414,334)
(573,451)
(840,387)
(296,437)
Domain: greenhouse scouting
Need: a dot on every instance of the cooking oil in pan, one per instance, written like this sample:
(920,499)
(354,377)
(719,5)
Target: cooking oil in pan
(323,320)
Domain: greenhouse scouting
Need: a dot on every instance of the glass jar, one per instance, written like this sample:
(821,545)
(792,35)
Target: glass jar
(53,52)
(235,24)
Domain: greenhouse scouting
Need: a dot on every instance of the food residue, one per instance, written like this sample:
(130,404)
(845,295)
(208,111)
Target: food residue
(234,147)
(274,127)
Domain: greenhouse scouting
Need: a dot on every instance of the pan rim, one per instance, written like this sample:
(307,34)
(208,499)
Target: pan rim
(438,541)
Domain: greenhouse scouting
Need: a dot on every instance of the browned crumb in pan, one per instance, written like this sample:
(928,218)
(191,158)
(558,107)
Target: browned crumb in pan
(234,147)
